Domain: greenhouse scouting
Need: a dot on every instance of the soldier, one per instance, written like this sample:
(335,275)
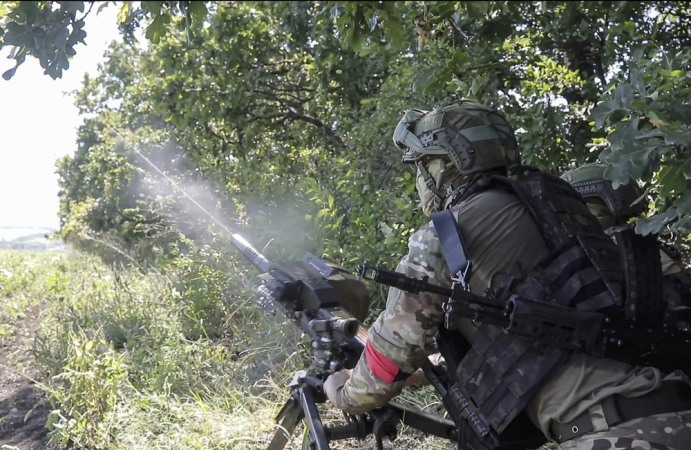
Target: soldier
(614,209)
(462,153)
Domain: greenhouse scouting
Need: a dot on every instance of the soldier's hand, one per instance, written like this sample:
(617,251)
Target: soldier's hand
(334,383)
(417,377)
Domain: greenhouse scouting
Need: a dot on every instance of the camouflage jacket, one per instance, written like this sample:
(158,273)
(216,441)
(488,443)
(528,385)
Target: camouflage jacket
(500,237)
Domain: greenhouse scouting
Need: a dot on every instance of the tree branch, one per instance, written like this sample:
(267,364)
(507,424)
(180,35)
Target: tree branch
(335,140)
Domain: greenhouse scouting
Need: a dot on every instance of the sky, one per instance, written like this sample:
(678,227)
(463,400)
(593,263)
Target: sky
(38,124)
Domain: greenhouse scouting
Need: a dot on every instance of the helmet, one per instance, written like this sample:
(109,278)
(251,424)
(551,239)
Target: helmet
(472,137)
(589,181)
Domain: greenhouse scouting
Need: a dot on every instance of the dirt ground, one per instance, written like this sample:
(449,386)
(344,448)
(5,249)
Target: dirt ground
(23,410)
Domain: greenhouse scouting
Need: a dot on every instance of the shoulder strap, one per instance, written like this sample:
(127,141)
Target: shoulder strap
(452,245)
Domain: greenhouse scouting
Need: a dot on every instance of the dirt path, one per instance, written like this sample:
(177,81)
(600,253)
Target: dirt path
(23,410)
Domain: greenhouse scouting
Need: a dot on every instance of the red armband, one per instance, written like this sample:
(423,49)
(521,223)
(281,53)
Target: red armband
(383,367)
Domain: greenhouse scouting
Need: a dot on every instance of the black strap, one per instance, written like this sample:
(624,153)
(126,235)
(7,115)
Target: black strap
(672,396)
(452,245)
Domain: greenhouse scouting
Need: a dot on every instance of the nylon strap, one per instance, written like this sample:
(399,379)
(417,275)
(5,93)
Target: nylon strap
(672,396)
(452,245)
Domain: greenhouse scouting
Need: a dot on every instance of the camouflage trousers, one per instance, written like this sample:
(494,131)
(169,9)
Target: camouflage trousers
(671,431)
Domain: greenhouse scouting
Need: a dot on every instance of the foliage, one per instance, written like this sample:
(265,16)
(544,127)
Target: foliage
(120,342)
(549,65)
(265,121)
(50,30)
(124,364)
(24,277)
(307,77)
(276,117)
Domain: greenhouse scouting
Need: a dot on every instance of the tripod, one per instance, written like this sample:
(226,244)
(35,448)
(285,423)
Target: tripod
(307,392)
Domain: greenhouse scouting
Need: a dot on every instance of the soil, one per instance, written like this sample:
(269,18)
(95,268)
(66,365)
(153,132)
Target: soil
(23,409)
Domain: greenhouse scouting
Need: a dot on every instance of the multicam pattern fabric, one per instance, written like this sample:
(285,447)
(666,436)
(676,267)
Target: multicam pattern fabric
(405,331)
(670,431)
(492,223)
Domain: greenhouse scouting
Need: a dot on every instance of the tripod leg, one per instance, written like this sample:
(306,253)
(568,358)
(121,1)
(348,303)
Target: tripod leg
(290,415)
(314,423)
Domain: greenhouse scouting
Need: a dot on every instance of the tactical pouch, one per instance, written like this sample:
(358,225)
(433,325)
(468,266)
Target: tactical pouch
(642,271)
(521,433)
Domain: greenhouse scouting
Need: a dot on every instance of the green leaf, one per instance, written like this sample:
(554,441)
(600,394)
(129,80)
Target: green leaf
(19,35)
(423,79)
(331,202)
(312,182)
(400,203)
(638,105)
(623,97)
(459,58)
(124,12)
(440,79)
(675,137)
(624,132)
(157,29)
(656,132)
(630,161)
(394,32)
(638,52)
(672,180)
(102,7)
(619,173)
(8,74)
(197,10)
(601,112)
(639,83)
(477,10)
(652,225)
(152,7)
(683,203)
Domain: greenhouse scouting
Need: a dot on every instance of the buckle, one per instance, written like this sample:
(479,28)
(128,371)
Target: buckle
(462,276)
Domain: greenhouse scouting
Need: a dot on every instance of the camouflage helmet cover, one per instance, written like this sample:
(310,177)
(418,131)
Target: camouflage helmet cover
(474,137)
(589,181)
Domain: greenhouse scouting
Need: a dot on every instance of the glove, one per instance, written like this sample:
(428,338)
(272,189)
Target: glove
(334,383)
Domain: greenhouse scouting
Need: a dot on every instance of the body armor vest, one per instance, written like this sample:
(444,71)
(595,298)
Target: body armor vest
(500,373)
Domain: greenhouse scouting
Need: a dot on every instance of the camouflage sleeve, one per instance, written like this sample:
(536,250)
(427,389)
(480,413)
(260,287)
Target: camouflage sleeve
(403,335)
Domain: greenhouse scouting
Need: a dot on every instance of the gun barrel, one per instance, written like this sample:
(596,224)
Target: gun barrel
(251,253)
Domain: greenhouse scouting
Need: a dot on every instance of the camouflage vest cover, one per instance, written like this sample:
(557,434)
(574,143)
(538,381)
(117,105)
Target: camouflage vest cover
(501,373)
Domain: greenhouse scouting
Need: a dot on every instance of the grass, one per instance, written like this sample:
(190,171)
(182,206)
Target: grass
(179,359)
(25,279)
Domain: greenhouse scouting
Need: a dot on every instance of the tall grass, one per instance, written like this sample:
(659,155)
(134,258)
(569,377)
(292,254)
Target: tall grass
(182,358)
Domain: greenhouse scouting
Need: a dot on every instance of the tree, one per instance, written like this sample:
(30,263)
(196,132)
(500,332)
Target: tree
(549,65)
(51,30)
(288,129)
(581,81)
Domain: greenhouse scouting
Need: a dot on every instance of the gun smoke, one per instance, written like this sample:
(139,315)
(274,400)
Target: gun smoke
(205,210)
